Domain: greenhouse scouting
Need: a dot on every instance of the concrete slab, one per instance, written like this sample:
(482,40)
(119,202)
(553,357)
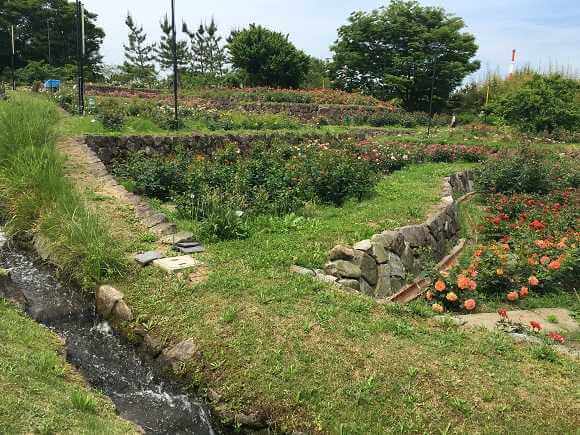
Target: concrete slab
(189,250)
(181,236)
(145,258)
(187,244)
(177,264)
(551,319)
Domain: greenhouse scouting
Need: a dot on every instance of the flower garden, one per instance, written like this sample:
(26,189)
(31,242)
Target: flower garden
(282,350)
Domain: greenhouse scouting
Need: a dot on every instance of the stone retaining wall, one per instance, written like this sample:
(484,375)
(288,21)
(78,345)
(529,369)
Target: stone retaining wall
(378,267)
(109,148)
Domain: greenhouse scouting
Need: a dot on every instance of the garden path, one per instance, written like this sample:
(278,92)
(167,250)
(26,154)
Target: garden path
(105,194)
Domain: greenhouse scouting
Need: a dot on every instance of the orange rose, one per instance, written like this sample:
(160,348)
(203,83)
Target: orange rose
(545,260)
(451,297)
(554,265)
(470,304)
(524,291)
(513,296)
(533,281)
(429,296)
(463,282)
(532,261)
(472,285)
(438,308)
(440,286)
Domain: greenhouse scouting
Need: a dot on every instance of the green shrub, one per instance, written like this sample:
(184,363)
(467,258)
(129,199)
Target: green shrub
(217,215)
(111,113)
(543,103)
(156,178)
(247,121)
(529,170)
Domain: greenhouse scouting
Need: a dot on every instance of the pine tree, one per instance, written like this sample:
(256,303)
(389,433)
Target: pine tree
(165,49)
(207,51)
(139,55)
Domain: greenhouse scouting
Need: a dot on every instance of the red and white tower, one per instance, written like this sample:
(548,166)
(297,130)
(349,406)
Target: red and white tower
(512,68)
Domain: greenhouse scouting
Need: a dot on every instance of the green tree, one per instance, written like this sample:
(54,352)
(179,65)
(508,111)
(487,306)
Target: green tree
(164,50)
(267,58)
(31,20)
(393,53)
(207,51)
(543,103)
(139,55)
(317,76)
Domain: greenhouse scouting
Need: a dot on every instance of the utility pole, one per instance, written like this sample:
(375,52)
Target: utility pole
(48,34)
(13,59)
(431,96)
(80,56)
(175,72)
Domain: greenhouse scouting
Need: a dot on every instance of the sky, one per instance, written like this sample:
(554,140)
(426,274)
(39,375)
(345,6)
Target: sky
(544,32)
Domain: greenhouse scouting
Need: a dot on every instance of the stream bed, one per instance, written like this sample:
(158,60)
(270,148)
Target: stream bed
(108,363)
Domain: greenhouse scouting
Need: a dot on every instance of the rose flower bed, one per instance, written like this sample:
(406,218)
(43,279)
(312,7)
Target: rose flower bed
(531,245)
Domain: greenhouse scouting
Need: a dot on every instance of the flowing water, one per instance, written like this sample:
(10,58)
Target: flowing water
(139,392)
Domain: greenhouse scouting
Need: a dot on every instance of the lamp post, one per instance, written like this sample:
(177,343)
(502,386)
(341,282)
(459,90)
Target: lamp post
(13,60)
(80,55)
(175,72)
(431,96)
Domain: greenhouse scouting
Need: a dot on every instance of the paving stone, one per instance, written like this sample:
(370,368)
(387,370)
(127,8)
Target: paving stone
(180,237)
(187,244)
(154,220)
(148,257)
(177,264)
(191,250)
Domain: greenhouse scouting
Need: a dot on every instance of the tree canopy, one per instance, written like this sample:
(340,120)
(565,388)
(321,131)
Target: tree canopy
(267,58)
(139,56)
(31,20)
(164,49)
(394,51)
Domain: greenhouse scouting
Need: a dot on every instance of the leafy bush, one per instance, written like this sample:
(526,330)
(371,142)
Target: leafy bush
(218,216)
(403,119)
(112,114)
(247,121)
(529,170)
(156,178)
(544,103)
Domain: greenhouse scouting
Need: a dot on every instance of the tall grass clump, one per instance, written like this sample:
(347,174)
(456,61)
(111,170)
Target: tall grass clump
(38,201)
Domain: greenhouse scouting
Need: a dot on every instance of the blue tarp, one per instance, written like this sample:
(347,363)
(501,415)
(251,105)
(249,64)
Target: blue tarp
(52,84)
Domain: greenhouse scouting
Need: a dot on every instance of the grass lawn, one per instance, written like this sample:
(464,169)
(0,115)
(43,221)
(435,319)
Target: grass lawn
(40,392)
(311,357)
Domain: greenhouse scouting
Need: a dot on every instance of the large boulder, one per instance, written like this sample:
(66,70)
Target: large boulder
(179,354)
(106,299)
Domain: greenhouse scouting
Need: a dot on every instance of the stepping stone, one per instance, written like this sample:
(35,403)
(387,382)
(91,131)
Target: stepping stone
(154,220)
(148,257)
(187,244)
(177,264)
(164,229)
(180,237)
(189,250)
